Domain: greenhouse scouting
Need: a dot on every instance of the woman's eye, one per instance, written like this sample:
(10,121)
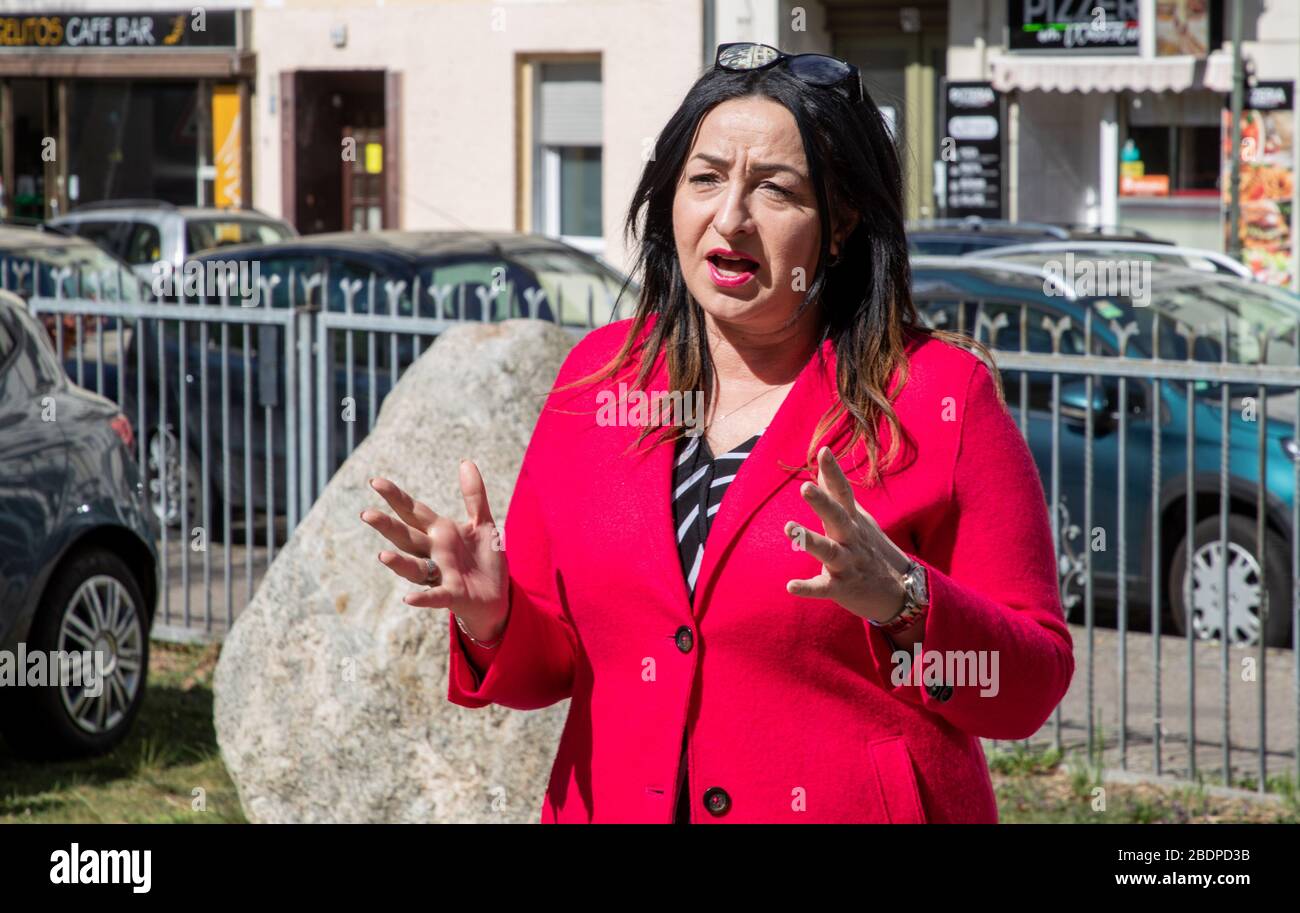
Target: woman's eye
(777,188)
(703,179)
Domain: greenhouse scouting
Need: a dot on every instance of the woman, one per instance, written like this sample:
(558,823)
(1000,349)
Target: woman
(754,658)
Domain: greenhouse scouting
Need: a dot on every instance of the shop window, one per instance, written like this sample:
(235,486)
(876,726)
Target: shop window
(1171,145)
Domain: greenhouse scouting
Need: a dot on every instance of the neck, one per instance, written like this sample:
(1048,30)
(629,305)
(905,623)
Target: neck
(744,356)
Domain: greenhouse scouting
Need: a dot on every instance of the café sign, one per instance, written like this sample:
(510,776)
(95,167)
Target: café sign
(125,31)
(1074,26)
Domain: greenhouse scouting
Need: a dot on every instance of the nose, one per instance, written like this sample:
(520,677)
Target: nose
(732,216)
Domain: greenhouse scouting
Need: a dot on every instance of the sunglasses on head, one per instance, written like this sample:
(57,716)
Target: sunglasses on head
(819,70)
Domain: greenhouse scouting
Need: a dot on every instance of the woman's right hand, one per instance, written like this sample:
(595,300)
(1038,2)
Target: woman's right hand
(470,555)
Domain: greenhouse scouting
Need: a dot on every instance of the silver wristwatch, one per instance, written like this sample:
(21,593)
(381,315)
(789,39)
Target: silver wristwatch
(916,599)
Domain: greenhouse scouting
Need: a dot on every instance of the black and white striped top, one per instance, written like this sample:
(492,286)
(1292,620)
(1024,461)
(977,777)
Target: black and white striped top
(699,481)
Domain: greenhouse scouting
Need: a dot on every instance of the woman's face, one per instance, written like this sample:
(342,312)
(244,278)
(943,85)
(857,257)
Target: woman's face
(745,215)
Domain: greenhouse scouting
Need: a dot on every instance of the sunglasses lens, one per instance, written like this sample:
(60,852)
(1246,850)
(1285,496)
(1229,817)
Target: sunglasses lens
(819,70)
(747,56)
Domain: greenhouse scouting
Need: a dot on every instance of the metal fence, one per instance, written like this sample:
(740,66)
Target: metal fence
(1245,729)
(272,400)
(265,383)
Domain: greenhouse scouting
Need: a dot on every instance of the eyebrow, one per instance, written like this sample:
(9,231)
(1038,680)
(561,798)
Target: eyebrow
(763,167)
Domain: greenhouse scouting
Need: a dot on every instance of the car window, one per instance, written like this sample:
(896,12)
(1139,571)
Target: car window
(104,234)
(583,289)
(204,234)
(143,244)
(84,269)
(477,288)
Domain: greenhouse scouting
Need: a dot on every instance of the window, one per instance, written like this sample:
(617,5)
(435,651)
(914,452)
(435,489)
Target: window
(143,244)
(567,168)
(203,234)
(1173,137)
(105,234)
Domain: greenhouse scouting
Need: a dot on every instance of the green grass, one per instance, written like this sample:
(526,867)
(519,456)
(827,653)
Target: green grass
(152,776)
(1041,787)
(172,751)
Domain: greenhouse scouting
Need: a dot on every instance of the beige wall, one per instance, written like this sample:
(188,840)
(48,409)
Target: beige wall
(458,62)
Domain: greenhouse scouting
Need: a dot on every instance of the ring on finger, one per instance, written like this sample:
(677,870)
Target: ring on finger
(432,572)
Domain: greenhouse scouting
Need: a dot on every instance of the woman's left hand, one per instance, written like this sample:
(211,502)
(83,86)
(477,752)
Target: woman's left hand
(862,568)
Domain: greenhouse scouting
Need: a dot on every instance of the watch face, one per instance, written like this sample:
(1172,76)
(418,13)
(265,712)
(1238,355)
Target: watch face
(918,589)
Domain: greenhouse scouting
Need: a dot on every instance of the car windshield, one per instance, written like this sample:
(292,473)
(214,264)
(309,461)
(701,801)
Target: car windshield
(83,270)
(575,281)
(1261,322)
(204,234)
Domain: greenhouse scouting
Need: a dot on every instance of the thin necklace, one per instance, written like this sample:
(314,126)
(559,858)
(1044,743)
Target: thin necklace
(748,401)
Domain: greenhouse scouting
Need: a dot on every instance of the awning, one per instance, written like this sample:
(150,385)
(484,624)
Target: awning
(1055,73)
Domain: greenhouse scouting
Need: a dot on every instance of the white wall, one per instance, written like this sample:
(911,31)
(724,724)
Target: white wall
(457,58)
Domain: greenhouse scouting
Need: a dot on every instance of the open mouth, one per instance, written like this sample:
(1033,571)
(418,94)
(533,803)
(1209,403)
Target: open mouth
(731,267)
(734,265)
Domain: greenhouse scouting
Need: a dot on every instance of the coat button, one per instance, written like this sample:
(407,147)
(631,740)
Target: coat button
(717,801)
(940,693)
(685,639)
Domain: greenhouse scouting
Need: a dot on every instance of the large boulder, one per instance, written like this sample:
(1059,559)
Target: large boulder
(331,693)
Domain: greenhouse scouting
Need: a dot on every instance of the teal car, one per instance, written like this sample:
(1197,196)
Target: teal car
(1025,306)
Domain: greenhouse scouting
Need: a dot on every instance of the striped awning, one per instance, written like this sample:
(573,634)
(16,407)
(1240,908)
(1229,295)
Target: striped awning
(1056,73)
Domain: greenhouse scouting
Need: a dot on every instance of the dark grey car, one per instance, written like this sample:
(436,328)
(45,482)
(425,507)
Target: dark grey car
(78,565)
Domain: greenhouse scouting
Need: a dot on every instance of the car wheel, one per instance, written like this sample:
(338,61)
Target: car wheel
(1245,584)
(93,603)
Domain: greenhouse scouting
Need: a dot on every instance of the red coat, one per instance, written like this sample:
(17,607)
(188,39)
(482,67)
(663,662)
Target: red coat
(790,704)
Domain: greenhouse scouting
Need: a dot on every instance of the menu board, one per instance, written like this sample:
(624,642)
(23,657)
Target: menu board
(1064,26)
(971,149)
(1268,169)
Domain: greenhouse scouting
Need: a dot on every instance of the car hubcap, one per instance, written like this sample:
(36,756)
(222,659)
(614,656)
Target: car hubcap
(101,618)
(165,462)
(1244,593)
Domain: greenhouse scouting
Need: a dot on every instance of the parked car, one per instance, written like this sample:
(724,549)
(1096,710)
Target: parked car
(476,275)
(986,298)
(32,258)
(1195,258)
(955,237)
(144,232)
(78,565)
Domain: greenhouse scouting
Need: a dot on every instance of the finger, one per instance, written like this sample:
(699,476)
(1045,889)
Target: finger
(412,512)
(434,597)
(475,493)
(819,587)
(404,537)
(827,551)
(838,524)
(415,570)
(831,477)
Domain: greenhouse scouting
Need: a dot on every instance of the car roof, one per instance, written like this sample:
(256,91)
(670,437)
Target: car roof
(144,208)
(408,246)
(1023,278)
(15,237)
